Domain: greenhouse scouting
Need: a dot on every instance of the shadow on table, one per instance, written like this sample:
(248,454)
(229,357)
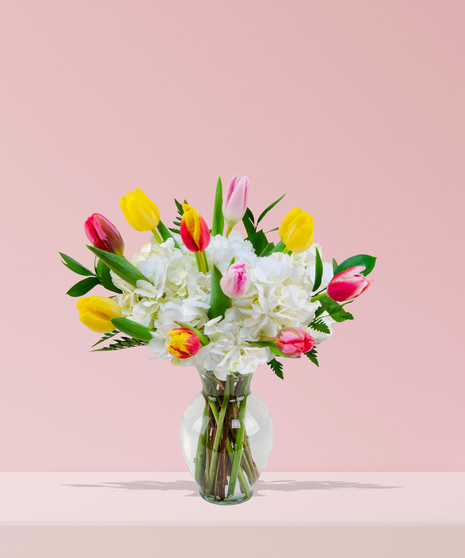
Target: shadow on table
(259,487)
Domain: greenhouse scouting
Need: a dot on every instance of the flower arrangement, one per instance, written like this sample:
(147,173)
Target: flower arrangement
(220,302)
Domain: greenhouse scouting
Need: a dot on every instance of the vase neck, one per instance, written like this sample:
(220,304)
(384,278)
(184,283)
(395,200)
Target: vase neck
(234,384)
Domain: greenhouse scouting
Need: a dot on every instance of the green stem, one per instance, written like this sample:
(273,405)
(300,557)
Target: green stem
(229,229)
(202,260)
(229,449)
(285,251)
(201,454)
(219,434)
(157,236)
(197,259)
(318,297)
(239,443)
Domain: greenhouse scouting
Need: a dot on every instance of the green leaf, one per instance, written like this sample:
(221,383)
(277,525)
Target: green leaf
(123,343)
(176,231)
(106,337)
(218,219)
(179,207)
(83,286)
(334,265)
(318,271)
(268,250)
(312,355)
(334,309)
(203,338)
(272,230)
(75,266)
(269,208)
(249,215)
(135,330)
(248,224)
(277,368)
(342,316)
(103,272)
(219,302)
(361,259)
(120,266)
(259,242)
(320,325)
(165,233)
(279,247)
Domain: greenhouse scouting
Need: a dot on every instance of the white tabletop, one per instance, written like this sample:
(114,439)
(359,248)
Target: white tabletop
(172,499)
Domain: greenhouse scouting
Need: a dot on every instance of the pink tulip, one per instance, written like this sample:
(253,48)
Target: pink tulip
(236,281)
(103,234)
(293,341)
(348,284)
(235,202)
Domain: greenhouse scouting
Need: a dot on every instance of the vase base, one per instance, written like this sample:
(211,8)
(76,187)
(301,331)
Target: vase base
(232,502)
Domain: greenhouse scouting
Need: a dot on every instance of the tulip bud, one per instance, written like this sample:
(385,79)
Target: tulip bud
(293,341)
(103,234)
(296,230)
(140,211)
(236,281)
(184,343)
(96,312)
(194,231)
(348,284)
(235,201)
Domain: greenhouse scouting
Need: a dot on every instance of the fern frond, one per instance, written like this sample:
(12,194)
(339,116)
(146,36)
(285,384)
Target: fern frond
(319,325)
(312,355)
(123,343)
(277,368)
(106,336)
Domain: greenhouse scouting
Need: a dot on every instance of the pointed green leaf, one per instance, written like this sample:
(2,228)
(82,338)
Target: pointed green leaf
(334,265)
(248,213)
(259,242)
(165,233)
(248,224)
(75,266)
(219,302)
(124,269)
(84,286)
(269,208)
(361,259)
(103,272)
(218,219)
(318,271)
(135,330)
(279,247)
(272,230)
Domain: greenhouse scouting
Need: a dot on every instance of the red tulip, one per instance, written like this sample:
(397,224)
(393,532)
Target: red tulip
(348,284)
(184,343)
(103,234)
(293,341)
(194,231)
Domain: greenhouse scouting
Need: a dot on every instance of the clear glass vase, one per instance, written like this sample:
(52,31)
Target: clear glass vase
(226,435)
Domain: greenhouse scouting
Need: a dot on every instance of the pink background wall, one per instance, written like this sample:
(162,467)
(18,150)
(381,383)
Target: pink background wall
(355,109)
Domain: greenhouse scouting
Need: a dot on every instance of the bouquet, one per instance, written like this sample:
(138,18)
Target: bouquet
(225,304)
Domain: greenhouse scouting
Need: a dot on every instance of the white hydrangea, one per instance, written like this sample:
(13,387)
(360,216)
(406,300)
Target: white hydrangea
(175,291)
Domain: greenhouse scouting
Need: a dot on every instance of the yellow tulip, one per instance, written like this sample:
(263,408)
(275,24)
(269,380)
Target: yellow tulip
(96,312)
(140,211)
(296,230)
